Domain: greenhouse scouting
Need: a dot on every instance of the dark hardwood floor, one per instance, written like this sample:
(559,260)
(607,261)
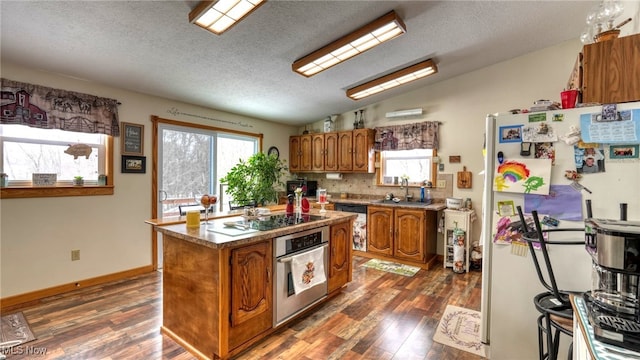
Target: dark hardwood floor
(377,316)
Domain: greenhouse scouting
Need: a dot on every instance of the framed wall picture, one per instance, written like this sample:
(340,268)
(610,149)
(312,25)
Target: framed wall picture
(132,139)
(134,164)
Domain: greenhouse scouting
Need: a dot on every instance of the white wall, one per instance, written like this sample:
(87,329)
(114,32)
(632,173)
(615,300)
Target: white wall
(37,235)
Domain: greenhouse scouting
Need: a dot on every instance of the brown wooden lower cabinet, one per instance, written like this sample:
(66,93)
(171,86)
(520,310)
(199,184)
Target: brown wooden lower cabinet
(380,232)
(407,234)
(215,300)
(251,292)
(219,301)
(339,256)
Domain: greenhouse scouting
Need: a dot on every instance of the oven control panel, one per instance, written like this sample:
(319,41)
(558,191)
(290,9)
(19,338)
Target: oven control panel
(304,242)
(293,243)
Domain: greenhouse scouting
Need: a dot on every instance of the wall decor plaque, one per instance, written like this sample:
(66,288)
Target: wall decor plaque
(132,139)
(42,179)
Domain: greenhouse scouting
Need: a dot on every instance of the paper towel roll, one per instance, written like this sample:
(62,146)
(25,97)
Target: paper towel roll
(334,176)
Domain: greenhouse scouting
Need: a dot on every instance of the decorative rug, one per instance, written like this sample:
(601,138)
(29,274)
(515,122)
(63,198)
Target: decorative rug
(460,328)
(388,266)
(15,330)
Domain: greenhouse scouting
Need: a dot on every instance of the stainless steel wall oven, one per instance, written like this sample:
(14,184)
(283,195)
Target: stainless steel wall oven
(287,302)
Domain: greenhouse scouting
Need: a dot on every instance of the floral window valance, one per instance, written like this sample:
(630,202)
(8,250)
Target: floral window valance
(48,108)
(422,135)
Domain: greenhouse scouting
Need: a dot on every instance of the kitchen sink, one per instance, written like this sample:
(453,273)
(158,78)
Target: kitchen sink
(402,203)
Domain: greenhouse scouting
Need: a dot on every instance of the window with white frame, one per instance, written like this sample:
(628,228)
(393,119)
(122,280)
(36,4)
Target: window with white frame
(26,150)
(416,165)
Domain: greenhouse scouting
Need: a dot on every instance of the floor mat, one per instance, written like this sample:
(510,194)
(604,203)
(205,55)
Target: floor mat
(460,328)
(392,267)
(15,330)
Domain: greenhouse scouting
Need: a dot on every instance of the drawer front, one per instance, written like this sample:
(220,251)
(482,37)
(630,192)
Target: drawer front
(451,218)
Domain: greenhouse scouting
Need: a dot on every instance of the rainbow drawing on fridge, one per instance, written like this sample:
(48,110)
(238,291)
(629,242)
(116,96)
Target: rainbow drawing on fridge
(525,176)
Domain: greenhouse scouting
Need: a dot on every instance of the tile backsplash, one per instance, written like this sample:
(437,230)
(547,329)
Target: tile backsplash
(363,186)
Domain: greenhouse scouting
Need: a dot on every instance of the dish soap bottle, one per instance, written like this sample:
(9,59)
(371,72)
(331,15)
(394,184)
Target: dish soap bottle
(421,194)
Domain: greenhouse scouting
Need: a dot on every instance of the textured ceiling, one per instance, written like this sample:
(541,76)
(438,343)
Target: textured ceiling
(150,47)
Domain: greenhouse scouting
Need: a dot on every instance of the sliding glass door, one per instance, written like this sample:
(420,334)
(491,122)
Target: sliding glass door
(190,162)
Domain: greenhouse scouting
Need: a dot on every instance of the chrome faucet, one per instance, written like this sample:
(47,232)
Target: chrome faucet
(405,184)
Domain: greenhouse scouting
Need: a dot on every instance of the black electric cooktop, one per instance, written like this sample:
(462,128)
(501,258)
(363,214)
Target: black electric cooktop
(272,222)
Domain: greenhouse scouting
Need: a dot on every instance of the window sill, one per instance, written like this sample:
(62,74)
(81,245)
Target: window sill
(55,191)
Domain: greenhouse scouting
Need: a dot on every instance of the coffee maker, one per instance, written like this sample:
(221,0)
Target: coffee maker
(614,301)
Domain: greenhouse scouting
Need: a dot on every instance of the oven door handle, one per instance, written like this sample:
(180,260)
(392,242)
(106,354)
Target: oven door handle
(289,258)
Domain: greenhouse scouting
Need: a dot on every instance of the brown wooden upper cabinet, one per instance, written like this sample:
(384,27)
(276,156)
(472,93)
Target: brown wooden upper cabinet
(363,155)
(344,151)
(324,152)
(300,153)
(611,70)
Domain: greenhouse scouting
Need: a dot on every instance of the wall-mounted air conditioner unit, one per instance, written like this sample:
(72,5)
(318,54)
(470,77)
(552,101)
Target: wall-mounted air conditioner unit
(404,113)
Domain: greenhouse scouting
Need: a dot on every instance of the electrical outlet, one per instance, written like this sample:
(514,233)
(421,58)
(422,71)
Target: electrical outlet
(75,255)
(442,183)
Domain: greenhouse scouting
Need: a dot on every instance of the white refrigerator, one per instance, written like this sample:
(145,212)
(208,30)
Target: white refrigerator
(509,278)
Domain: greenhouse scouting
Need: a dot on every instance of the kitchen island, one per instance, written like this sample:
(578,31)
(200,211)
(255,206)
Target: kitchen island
(220,282)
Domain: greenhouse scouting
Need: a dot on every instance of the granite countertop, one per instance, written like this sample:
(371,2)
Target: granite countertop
(170,220)
(204,236)
(437,205)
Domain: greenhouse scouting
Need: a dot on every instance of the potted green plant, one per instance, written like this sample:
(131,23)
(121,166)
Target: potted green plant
(78,180)
(256,179)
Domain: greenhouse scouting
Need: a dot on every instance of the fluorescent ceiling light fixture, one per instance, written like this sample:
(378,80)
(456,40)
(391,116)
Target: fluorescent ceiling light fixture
(219,16)
(384,28)
(397,78)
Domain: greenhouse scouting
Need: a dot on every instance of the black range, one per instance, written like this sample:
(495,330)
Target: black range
(272,222)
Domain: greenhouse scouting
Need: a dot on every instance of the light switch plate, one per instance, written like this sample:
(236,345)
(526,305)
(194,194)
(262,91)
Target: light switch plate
(441,167)
(442,183)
